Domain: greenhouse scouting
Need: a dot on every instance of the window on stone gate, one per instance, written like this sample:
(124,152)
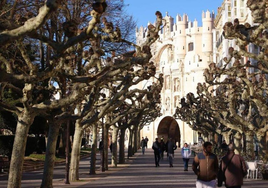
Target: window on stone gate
(191,46)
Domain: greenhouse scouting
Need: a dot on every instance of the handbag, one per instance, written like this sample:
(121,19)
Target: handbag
(221,174)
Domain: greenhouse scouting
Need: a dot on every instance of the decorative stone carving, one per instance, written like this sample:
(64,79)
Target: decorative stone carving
(167,82)
(167,103)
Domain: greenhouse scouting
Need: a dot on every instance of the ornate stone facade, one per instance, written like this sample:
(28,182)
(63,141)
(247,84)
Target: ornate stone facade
(182,52)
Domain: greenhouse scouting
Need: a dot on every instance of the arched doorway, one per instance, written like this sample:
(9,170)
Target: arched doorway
(169,128)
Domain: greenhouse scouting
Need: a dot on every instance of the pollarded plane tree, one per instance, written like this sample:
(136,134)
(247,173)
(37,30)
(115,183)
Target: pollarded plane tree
(252,114)
(60,55)
(208,112)
(29,75)
(245,91)
(124,77)
(221,102)
(129,113)
(22,76)
(215,103)
(238,97)
(106,108)
(232,103)
(148,108)
(132,114)
(151,107)
(86,58)
(101,102)
(198,114)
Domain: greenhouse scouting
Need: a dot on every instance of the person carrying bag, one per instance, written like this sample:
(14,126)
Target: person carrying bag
(221,174)
(232,169)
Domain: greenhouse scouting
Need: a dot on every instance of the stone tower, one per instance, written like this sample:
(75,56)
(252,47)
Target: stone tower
(181,53)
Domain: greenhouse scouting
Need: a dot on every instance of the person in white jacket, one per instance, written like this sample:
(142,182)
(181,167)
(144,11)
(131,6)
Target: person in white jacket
(186,153)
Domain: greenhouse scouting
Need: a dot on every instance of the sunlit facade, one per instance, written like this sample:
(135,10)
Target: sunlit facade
(227,12)
(181,54)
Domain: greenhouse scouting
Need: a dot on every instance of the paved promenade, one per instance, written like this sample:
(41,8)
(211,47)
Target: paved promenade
(138,172)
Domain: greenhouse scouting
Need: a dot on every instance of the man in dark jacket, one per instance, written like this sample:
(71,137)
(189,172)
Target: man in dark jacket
(101,153)
(171,146)
(162,148)
(205,166)
(156,148)
(146,141)
(236,169)
(143,145)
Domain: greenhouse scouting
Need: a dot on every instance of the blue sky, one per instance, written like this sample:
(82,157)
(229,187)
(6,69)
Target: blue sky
(143,11)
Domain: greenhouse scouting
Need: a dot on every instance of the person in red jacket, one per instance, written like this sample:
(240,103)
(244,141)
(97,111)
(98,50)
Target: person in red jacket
(205,166)
(236,169)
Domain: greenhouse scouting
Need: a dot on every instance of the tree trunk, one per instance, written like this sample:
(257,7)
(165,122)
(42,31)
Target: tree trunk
(105,146)
(139,138)
(122,146)
(94,150)
(130,143)
(67,154)
(133,142)
(249,144)
(62,143)
(263,146)
(75,156)
(18,151)
(47,181)
(135,149)
(114,146)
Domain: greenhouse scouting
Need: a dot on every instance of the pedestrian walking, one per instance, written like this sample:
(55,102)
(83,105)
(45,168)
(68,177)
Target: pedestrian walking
(156,148)
(234,168)
(143,145)
(111,147)
(101,152)
(146,141)
(186,154)
(162,148)
(205,166)
(171,146)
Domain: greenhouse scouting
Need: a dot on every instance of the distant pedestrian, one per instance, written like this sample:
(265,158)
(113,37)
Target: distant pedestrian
(143,145)
(101,152)
(146,141)
(206,166)
(156,148)
(186,154)
(171,146)
(101,146)
(111,147)
(162,148)
(234,168)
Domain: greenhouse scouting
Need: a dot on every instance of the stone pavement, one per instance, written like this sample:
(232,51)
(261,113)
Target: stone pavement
(138,172)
